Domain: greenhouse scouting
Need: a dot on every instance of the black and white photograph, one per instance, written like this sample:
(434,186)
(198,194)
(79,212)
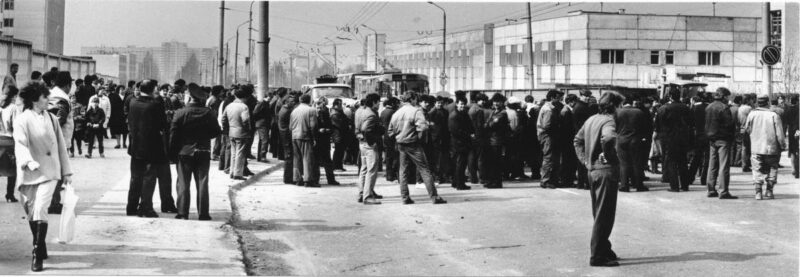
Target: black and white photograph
(399,138)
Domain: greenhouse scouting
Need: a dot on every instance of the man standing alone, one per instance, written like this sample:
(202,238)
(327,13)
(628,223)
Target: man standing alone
(302,123)
(720,133)
(595,147)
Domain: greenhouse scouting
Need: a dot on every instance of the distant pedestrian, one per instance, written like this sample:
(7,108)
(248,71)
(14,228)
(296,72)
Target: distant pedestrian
(765,129)
(699,162)
(9,110)
(369,132)
(148,124)
(95,119)
(236,119)
(675,126)
(595,146)
(191,131)
(117,124)
(11,78)
(405,126)
(79,133)
(480,142)
(302,123)
(41,157)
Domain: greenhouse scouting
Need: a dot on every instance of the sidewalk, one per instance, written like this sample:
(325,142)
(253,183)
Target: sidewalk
(108,242)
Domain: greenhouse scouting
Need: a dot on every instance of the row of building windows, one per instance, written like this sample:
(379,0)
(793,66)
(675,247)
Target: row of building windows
(8,22)
(8,5)
(614,56)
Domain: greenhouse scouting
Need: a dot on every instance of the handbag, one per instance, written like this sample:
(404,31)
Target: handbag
(66,228)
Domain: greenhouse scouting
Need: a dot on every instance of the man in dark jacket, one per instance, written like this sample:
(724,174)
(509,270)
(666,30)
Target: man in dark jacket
(148,123)
(675,126)
(719,130)
(792,128)
(568,158)
(392,165)
(497,130)
(322,146)
(440,140)
(534,155)
(548,125)
(461,135)
(630,123)
(340,135)
(263,118)
(476,163)
(213,103)
(580,112)
(699,160)
(190,144)
(276,147)
(286,137)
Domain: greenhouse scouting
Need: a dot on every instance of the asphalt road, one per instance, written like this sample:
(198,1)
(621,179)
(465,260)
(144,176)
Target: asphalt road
(519,230)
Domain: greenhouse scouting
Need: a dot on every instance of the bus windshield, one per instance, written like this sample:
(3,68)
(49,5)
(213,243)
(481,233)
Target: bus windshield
(395,88)
(332,92)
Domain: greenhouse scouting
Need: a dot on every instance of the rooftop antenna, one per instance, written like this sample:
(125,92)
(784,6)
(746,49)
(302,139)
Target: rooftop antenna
(713,8)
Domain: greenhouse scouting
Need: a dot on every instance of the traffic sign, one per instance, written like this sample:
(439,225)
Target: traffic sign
(771,54)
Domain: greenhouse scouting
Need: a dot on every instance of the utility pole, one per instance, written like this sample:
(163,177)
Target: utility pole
(249,43)
(443,76)
(530,46)
(766,80)
(335,62)
(221,35)
(227,58)
(236,59)
(291,70)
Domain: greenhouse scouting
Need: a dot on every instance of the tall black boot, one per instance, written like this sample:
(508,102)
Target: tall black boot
(33,232)
(39,241)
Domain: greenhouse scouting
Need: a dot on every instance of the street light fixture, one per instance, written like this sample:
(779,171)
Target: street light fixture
(443,76)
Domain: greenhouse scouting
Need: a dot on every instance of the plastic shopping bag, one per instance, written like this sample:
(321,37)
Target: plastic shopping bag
(66,230)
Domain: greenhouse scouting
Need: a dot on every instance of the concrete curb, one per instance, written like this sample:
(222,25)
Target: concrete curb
(230,226)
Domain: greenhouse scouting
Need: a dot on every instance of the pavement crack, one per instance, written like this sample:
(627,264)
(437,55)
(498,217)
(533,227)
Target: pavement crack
(495,247)
(370,264)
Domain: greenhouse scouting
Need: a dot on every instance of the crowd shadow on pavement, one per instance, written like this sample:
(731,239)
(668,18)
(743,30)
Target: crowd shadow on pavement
(696,256)
(290,225)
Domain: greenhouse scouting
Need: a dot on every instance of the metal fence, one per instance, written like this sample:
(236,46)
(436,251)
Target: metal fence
(22,53)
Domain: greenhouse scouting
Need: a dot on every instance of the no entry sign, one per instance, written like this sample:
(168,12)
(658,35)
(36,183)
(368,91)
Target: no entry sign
(771,54)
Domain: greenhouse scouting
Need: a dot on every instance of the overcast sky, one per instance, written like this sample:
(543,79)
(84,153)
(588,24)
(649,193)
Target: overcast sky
(148,23)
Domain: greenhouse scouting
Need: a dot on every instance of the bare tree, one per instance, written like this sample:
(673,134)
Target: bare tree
(791,70)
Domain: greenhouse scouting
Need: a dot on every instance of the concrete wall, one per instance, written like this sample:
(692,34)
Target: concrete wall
(40,22)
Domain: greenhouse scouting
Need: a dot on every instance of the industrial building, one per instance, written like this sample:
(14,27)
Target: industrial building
(600,48)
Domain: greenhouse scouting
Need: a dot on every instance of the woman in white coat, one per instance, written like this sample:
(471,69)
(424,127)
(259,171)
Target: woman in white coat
(42,161)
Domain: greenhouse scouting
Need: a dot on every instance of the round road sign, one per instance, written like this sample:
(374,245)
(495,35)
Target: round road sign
(771,54)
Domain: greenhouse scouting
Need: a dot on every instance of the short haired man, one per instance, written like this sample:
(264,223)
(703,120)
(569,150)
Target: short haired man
(284,118)
(675,125)
(548,125)
(461,135)
(322,143)
(765,129)
(60,107)
(719,130)
(595,146)
(191,131)
(303,123)
(497,131)
(369,132)
(629,123)
(476,165)
(391,155)
(236,119)
(147,121)
(36,76)
(405,126)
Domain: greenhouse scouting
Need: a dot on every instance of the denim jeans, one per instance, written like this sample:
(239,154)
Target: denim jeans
(412,153)
(719,168)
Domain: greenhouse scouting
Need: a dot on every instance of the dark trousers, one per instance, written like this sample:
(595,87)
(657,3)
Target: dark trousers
(77,139)
(197,166)
(303,151)
(604,209)
(569,164)
(413,154)
(142,186)
(91,135)
(392,164)
(322,153)
(719,168)
(459,174)
(745,152)
(217,146)
(475,163)
(630,165)
(288,156)
(10,185)
(338,154)
(735,155)
(675,167)
(514,164)
(550,161)
(534,159)
(263,142)
(165,186)
(275,144)
(494,166)
(699,162)
(444,163)
(225,153)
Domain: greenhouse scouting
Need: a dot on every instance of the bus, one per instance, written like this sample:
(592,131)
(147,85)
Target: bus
(390,84)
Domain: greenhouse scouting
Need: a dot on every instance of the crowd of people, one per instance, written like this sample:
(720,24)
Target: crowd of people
(603,145)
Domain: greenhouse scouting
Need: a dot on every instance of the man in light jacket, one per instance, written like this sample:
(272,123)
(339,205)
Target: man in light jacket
(237,121)
(767,140)
(369,132)
(302,123)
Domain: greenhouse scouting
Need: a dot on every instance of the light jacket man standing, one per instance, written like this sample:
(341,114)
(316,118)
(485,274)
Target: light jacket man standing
(767,140)
(303,123)
(237,120)
(369,132)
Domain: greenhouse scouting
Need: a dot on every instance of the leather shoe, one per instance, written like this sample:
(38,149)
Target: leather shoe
(180,216)
(673,190)
(606,263)
(204,217)
(333,183)
(464,187)
(713,194)
(685,189)
(312,185)
(370,201)
(625,189)
(132,213)
(172,210)
(150,214)
(408,201)
(728,196)
(376,196)
(439,200)
(642,188)
(360,198)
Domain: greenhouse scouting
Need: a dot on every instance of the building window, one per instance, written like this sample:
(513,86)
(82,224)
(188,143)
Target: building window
(8,22)
(544,57)
(654,56)
(708,58)
(559,56)
(8,4)
(669,57)
(612,56)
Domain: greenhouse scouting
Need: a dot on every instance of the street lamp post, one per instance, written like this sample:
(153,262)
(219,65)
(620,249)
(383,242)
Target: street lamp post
(236,54)
(443,76)
(221,64)
(376,45)
(249,42)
